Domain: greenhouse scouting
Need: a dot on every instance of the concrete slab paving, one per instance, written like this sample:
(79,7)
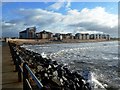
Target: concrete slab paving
(9,77)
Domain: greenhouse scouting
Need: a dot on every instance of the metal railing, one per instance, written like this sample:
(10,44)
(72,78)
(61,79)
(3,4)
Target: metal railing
(24,70)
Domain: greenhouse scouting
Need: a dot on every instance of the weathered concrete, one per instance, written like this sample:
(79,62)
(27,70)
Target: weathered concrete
(9,77)
(0,67)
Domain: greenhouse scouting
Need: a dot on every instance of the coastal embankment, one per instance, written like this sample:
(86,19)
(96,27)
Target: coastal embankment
(48,72)
(47,41)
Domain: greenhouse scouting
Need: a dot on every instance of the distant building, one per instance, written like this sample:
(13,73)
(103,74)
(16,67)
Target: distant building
(108,37)
(29,33)
(59,36)
(103,36)
(82,36)
(99,36)
(92,36)
(67,36)
(78,36)
(44,35)
(85,36)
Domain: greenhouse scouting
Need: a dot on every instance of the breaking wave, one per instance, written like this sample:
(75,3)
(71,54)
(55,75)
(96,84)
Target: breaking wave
(99,58)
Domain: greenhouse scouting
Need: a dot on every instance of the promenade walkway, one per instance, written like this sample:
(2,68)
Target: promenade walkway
(9,77)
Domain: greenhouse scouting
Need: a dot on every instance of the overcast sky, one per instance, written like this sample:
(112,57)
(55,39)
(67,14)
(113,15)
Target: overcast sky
(62,17)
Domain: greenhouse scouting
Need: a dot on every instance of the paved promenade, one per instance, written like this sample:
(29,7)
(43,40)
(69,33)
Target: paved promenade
(9,77)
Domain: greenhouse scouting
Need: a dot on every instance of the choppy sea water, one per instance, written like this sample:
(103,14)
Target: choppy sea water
(101,58)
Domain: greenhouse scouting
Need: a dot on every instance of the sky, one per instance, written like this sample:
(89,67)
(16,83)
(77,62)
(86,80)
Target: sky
(60,17)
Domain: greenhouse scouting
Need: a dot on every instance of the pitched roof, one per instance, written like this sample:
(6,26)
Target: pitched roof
(45,32)
(23,31)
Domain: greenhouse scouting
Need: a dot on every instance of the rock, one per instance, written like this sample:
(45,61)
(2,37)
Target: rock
(53,76)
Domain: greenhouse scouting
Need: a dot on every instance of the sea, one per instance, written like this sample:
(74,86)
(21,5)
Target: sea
(101,58)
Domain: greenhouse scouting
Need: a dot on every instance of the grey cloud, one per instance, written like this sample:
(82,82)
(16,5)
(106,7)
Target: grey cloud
(91,26)
(57,22)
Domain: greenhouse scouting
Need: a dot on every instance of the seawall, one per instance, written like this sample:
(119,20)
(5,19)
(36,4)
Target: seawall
(52,75)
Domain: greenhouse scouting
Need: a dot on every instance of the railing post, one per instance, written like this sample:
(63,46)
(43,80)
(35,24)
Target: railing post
(18,62)
(25,76)
(13,53)
(19,75)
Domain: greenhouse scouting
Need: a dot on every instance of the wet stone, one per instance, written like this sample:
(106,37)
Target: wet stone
(52,75)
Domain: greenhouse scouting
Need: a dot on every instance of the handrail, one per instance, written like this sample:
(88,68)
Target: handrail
(29,84)
(34,77)
(18,60)
(21,68)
